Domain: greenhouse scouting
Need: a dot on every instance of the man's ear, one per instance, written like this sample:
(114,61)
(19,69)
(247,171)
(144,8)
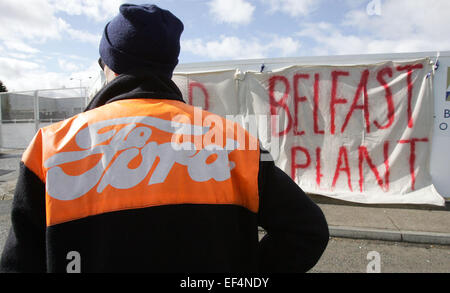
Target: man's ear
(109,74)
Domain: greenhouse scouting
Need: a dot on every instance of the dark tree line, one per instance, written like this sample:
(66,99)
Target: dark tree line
(3,88)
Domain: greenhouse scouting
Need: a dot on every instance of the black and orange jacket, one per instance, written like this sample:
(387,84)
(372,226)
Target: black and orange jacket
(142,182)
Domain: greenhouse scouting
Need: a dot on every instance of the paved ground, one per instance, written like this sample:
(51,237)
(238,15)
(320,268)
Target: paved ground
(406,219)
(417,224)
(350,256)
(9,165)
(5,221)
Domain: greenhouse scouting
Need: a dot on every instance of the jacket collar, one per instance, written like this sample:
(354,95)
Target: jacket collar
(136,85)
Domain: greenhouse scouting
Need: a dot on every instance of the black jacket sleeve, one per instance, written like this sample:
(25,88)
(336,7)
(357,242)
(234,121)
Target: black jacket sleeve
(25,247)
(297,231)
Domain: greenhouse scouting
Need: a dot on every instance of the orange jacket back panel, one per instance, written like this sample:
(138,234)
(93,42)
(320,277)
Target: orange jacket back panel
(140,153)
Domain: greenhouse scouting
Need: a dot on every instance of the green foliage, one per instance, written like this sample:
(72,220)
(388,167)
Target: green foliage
(3,88)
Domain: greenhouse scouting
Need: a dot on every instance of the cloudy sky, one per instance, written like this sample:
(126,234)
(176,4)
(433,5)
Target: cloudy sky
(45,43)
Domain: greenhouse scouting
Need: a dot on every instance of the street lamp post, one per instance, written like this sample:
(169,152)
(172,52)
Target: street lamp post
(81,91)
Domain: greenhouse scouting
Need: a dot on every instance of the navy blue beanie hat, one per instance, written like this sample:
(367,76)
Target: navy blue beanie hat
(142,37)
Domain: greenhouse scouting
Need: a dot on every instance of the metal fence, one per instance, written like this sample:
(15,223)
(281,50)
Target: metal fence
(23,113)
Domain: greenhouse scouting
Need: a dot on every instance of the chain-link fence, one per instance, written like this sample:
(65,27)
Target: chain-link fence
(23,113)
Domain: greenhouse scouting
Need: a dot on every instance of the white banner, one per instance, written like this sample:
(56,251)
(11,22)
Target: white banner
(358,133)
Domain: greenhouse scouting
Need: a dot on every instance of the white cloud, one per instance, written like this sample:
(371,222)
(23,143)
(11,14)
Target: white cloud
(287,46)
(20,46)
(404,19)
(231,11)
(403,26)
(19,55)
(12,69)
(79,35)
(98,10)
(20,75)
(225,48)
(330,40)
(235,48)
(26,24)
(37,20)
(68,66)
(293,8)
(27,20)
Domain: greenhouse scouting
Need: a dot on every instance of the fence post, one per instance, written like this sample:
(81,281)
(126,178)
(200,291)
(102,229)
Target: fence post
(36,111)
(86,98)
(1,122)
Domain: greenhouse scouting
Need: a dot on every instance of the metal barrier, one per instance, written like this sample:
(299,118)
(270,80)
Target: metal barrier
(23,113)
